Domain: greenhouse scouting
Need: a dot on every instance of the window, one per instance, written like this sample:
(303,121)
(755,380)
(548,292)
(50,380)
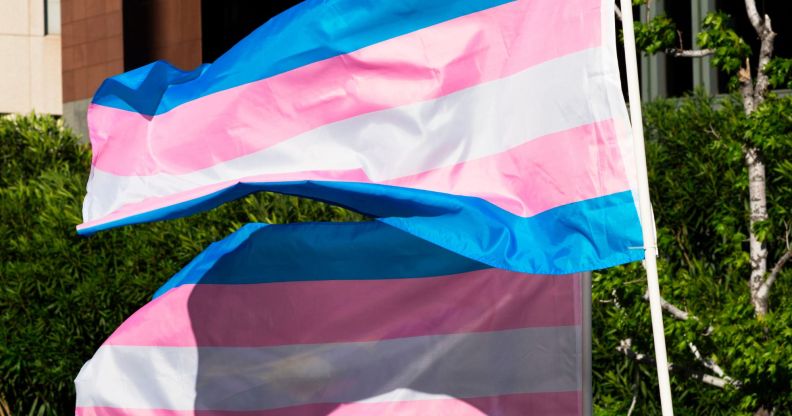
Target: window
(663,76)
(679,71)
(224,23)
(52,17)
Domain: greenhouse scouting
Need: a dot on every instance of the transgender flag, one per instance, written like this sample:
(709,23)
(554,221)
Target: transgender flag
(349,319)
(493,128)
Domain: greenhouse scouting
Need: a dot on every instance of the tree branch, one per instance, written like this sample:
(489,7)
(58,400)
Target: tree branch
(753,16)
(765,54)
(618,12)
(633,402)
(715,368)
(768,283)
(690,53)
(710,379)
(684,316)
(764,29)
(625,347)
(635,392)
(677,312)
(671,309)
(4,409)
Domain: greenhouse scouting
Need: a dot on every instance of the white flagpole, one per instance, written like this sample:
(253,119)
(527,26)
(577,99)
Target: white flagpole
(645,207)
(588,391)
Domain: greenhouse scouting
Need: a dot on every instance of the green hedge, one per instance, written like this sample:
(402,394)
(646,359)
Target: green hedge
(61,295)
(698,181)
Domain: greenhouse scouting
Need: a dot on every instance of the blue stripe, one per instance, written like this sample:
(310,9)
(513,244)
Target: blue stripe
(312,31)
(587,235)
(319,251)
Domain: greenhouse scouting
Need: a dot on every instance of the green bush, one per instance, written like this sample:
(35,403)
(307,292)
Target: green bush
(61,295)
(698,181)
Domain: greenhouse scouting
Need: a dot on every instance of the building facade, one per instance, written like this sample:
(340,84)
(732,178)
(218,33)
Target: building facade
(30,56)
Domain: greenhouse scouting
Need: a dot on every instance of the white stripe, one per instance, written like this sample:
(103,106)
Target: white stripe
(487,119)
(528,360)
(618,108)
(403,395)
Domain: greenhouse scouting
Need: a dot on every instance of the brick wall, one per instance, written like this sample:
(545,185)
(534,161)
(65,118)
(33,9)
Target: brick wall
(92,45)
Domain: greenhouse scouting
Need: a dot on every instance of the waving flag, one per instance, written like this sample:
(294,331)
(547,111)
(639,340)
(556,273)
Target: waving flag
(496,129)
(343,319)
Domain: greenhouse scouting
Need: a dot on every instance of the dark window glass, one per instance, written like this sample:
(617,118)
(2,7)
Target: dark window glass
(226,22)
(679,71)
(620,55)
(138,33)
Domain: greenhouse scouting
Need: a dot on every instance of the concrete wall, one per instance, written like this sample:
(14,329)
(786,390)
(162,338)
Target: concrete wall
(30,61)
(75,116)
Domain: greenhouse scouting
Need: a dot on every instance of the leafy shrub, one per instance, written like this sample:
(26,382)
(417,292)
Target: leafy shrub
(698,181)
(61,295)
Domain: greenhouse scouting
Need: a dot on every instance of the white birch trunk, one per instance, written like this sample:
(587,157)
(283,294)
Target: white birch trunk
(753,96)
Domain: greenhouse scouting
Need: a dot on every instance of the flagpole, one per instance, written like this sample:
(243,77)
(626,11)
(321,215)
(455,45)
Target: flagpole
(645,207)
(585,285)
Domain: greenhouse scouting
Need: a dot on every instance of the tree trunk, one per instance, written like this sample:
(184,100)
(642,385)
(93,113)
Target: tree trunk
(753,96)
(758,201)
(758,249)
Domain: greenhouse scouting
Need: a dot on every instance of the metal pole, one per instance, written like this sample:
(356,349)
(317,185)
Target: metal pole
(588,392)
(645,207)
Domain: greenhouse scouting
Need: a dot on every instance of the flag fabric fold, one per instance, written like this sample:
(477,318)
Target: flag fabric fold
(495,129)
(342,319)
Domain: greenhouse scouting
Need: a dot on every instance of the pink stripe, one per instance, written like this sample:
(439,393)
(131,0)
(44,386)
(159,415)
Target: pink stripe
(554,170)
(270,314)
(419,66)
(557,169)
(528,404)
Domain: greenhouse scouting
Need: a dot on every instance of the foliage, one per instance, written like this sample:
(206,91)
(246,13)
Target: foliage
(730,49)
(701,153)
(769,128)
(779,71)
(61,295)
(33,144)
(656,35)
(698,182)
